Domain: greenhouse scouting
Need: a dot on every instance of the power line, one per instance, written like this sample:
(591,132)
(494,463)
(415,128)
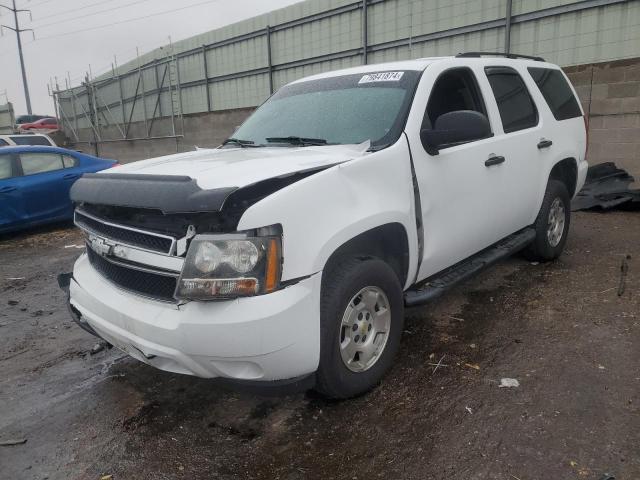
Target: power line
(41,3)
(126,21)
(73,10)
(130,4)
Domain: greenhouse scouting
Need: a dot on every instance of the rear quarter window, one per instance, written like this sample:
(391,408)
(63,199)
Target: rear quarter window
(556,91)
(69,161)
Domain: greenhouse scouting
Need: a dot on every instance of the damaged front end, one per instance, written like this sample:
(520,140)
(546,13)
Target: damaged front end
(139,227)
(64,281)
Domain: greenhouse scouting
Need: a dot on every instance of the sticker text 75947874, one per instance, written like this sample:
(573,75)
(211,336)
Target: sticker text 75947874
(382,77)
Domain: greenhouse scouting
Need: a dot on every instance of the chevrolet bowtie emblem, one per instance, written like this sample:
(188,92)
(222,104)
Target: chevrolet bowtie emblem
(100,246)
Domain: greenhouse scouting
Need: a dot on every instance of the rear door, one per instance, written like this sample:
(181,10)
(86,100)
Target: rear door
(73,169)
(45,185)
(12,211)
(520,130)
(565,132)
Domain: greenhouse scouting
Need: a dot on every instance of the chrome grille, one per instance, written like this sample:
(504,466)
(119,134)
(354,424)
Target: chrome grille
(140,281)
(127,235)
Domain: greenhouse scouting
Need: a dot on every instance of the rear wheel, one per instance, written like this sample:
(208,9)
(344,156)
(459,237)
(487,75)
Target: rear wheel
(552,224)
(361,323)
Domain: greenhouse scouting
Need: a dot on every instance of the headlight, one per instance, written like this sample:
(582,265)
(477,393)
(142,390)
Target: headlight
(230,266)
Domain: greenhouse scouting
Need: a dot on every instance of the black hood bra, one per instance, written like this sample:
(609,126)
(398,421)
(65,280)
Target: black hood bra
(168,193)
(174,194)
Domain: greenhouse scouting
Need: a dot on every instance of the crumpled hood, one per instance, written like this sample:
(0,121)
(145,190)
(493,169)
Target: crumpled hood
(239,167)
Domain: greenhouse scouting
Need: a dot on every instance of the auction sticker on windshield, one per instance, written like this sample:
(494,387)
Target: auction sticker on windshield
(382,77)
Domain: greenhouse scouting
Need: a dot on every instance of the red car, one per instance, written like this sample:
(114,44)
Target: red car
(43,124)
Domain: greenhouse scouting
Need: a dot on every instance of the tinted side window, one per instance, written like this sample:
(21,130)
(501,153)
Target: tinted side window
(556,92)
(515,104)
(31,140)
(455,89)
(6,167)
(40,162)
(3,143)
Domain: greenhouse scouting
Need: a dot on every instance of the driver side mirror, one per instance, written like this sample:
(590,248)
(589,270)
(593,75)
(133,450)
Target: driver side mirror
(455,127)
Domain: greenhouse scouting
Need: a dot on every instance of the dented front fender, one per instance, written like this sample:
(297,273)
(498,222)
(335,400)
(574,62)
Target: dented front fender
(320,213)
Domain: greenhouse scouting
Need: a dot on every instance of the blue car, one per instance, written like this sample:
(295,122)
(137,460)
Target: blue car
(35,183)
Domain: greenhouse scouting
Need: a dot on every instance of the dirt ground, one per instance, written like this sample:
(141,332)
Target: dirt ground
(560,329)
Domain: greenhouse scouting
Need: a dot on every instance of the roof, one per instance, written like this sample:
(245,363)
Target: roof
(418,64)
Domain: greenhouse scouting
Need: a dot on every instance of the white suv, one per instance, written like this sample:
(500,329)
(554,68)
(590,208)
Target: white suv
(289,253)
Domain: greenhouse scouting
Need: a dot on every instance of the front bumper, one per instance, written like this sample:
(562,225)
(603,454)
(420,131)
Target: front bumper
(263,338)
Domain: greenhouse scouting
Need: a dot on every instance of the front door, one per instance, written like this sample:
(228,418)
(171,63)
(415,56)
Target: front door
(464,209)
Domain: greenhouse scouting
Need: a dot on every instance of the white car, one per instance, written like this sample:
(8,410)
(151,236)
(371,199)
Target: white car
(289,253)
(26,139)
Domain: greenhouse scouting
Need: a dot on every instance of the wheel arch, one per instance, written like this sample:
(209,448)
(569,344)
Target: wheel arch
(566,171)
(388,242)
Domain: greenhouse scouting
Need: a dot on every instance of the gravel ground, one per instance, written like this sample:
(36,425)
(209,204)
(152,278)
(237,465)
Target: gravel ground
(560,329)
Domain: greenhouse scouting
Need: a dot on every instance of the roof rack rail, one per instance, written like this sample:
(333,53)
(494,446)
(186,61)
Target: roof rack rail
(498,54)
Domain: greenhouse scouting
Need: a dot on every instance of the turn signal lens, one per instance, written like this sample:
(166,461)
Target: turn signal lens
(273,266)
(203,287)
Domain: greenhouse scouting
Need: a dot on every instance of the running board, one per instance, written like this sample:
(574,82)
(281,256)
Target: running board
(443,281)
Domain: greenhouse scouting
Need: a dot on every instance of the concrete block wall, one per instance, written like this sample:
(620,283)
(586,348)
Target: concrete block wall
(610,95)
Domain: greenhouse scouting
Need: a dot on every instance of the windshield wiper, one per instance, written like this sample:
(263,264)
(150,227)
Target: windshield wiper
(293,140)
(241,143)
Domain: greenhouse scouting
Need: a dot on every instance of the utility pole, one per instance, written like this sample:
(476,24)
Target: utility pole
(18,31)
(507,27)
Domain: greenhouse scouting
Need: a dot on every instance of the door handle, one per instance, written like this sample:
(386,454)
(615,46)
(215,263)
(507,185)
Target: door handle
(544,143)
(7,189)
(70,176)
(494,160)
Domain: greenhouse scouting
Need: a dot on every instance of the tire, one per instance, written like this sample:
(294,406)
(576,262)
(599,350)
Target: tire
(548,246)
(374,281)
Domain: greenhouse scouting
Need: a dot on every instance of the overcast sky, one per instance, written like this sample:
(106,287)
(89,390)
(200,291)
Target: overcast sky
(58,49)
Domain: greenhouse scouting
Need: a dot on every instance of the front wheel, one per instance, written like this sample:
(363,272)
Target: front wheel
(552,224)
(362,315)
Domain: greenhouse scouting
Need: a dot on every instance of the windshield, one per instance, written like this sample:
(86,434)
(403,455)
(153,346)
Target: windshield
(348,109)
